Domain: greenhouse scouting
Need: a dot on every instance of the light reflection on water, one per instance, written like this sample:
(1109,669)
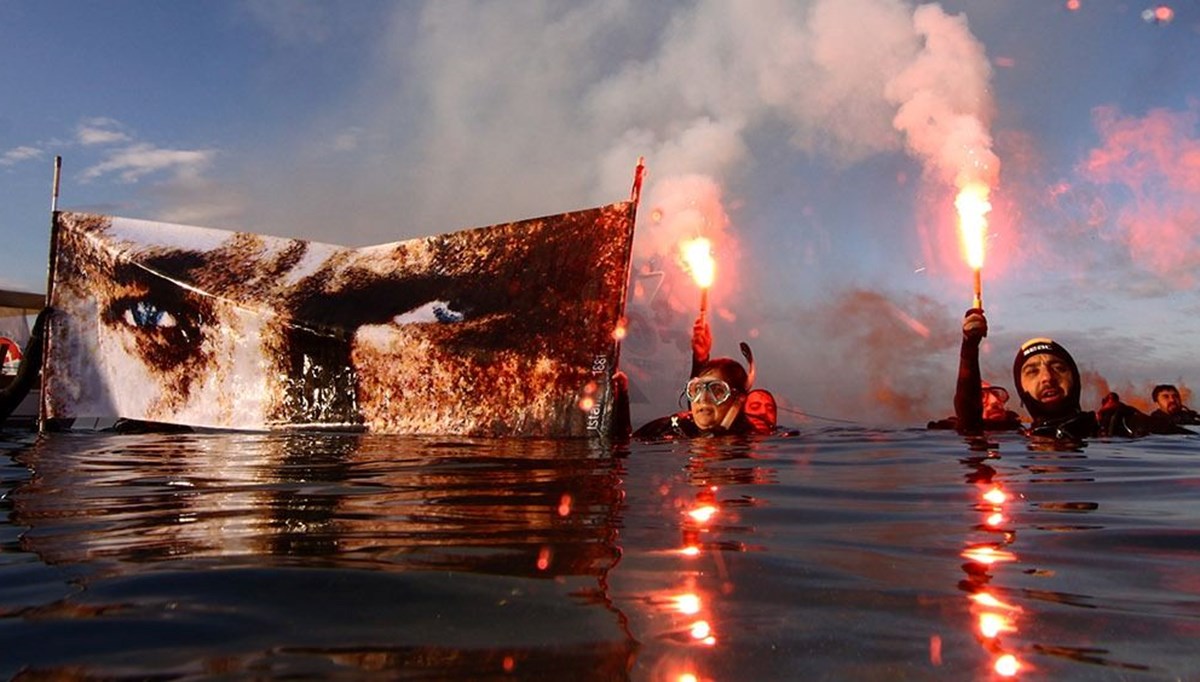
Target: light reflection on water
(842,553)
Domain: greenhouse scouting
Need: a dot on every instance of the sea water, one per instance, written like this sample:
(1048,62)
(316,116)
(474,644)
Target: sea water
(835,554)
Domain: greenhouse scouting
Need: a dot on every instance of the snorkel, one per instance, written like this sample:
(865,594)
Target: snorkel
(736,409)
(749,355)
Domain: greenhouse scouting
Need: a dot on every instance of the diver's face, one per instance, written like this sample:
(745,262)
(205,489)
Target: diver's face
(1047,378)
(1168,401)
(995,403)
(761,409)
(707,412)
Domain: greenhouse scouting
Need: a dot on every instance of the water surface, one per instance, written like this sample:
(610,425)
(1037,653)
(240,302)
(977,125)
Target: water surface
(842,553)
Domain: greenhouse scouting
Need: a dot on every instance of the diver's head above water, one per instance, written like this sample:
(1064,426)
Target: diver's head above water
(717,392)
(762,410)
(1166,398)
(1047,379)
(995,402)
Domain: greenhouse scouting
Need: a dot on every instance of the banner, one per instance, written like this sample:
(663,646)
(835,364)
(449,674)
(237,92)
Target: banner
(503,330)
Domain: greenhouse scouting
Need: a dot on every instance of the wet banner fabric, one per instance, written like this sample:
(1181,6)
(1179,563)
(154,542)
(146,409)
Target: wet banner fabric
(502,330)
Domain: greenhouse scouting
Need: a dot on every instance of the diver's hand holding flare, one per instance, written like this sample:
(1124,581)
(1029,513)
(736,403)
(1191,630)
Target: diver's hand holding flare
(701,339)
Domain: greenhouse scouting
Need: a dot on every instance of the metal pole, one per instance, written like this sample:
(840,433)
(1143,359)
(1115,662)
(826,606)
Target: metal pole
(46,334)
(54,187)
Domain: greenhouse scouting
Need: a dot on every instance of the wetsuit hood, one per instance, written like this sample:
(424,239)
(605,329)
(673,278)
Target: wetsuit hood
(1036,410)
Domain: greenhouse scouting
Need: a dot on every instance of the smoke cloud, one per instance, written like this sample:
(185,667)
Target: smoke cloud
(1156,160)
(494,109)
(944,103)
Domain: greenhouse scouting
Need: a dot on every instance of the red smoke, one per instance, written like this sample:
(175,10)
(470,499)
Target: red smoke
(1095,387)
(894,356)
(1156,159)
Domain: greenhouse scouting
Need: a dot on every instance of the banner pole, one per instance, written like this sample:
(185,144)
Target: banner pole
(616,399)
(54,187)
(53,227)
(51,262)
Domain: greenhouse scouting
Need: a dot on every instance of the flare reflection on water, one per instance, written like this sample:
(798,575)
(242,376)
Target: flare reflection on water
(993,616)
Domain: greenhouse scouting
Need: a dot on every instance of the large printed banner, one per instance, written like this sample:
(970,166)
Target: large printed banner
(502,330)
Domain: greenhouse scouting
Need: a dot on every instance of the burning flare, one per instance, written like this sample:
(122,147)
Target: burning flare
(697,255)
(973,206)
(698,260)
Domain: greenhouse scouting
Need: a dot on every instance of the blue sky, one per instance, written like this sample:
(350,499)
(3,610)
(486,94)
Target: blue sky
(368,122)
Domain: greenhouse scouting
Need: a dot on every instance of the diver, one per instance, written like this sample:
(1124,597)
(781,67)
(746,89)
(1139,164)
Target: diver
(31,364)
(716,397)
(1048,383)
(762,410)
(1170,407)
(760,407)
(978,405)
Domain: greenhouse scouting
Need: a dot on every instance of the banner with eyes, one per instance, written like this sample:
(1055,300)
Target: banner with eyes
(505,330)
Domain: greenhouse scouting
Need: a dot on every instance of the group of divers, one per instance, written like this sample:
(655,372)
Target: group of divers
(722,401)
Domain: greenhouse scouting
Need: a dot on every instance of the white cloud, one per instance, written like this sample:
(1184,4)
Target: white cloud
(18,154)
(95,131)
(133,162)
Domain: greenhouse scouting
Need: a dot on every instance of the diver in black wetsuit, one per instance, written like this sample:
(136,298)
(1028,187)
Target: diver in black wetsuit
(760,405)
(716,397)
(31,364)
(1170,406)
(1048,383)
(762,410)
(978,405)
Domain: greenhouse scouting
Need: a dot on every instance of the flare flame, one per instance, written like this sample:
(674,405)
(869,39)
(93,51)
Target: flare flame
(973,206)
(698,259)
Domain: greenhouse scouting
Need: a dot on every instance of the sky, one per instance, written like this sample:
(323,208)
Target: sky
(819,144)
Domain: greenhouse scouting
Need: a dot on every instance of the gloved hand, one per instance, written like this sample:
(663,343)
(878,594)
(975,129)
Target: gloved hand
(620,381)
(974,325)
(701,339)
